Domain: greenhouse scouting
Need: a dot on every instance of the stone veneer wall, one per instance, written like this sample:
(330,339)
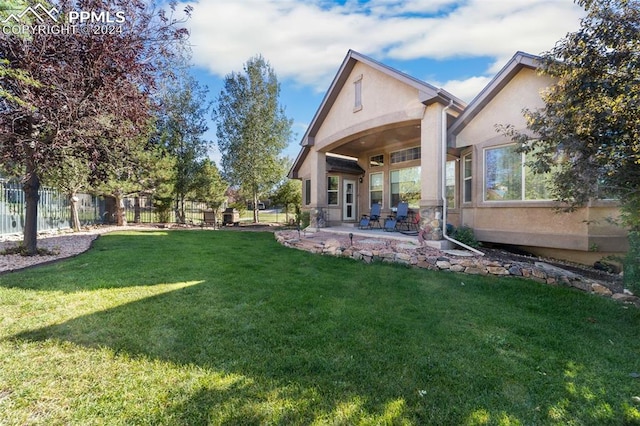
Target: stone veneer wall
(540,272)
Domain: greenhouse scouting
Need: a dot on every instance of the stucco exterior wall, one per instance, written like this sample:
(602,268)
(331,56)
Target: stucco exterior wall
(523,91)
(385,101)
(529,223)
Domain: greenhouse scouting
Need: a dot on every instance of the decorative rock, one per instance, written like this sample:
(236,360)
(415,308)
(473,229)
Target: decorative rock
(581,285)
(387,255)
(621,297)
(497,270)
(467,263)
(332,243)
(442,264)
(514,270)
(457,268)
(541,272)
(537,273)
(550,269)
(424,264)
(600,289)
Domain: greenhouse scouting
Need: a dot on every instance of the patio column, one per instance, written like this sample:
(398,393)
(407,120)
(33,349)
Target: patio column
(431,173)
(318,161)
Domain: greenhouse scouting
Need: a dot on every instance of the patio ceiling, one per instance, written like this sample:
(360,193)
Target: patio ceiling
(379,140)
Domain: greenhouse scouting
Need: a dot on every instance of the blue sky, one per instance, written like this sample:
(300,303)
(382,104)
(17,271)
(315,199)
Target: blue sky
(457,45)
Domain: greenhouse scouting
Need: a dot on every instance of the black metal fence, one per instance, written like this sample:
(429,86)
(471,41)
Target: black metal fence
(141,210)
(53,209)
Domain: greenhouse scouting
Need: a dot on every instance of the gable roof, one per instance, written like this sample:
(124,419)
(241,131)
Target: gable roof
(519,61)
(428,94)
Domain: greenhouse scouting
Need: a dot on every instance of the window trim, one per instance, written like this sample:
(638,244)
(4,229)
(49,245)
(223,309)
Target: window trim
(465,178)
(307,192)
(357,86)
(336,191)
(370,179)
(455,184)
(375,166)
(523,181)
(419,167)
(413,148)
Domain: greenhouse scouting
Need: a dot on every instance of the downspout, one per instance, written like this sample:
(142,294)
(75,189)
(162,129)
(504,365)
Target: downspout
(443,182)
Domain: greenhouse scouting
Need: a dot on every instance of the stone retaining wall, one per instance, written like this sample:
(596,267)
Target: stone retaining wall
(538,271)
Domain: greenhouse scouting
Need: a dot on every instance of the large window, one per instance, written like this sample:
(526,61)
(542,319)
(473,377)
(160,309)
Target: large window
(376,182)
(507,178)
(405,186)
(333,183)
(467,177)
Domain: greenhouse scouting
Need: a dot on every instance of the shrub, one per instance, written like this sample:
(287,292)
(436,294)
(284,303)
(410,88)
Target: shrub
(303,219)
(465,235)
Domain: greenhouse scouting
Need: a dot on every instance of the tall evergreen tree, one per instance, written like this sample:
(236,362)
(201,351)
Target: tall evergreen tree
(181,126)
(252,129)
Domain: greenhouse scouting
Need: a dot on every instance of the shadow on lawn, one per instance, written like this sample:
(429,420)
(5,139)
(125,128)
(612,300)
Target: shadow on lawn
(339,354)
(127,259)
(281,371)
(284,370)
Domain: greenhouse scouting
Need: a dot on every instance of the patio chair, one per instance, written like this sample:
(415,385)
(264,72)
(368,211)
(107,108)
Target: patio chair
(402,216)
(367,221)
(390,224)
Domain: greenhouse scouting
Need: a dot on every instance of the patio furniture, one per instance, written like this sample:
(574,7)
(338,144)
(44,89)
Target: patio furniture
(402,216)
(390,224)
(367,221)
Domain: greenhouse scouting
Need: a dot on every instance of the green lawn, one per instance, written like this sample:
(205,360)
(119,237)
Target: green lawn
(226,327)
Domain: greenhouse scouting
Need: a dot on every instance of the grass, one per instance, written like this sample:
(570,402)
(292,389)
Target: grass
(224,327)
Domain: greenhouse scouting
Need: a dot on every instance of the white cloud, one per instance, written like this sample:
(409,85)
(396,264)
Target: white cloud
(305,41)
(466,89)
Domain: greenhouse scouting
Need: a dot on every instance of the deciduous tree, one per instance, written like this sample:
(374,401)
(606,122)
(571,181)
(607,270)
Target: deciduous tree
(590,119)
(252,129)
(93,91)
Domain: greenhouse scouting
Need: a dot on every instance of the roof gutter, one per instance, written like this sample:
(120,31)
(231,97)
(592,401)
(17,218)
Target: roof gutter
(443,182)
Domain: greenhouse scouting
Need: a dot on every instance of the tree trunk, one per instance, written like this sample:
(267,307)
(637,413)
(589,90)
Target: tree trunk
(256,218)
(31,188)
(75,220)
(180,217)
(121,220)
(136,210)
